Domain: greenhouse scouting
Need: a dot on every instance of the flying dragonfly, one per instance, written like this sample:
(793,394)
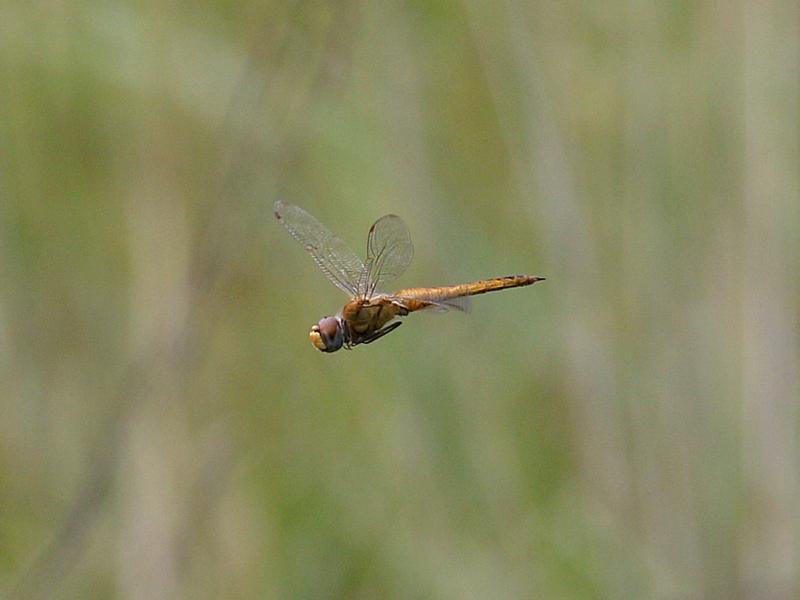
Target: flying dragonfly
(371,313)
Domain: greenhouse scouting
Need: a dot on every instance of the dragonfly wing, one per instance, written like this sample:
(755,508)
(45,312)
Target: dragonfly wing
(334,258)
(389,252)
(463,304)
(437,303)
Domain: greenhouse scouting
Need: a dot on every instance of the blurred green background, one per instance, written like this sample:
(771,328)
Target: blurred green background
(627,429)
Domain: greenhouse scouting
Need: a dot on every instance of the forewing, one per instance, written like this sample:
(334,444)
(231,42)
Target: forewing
(389,252)
(334,258)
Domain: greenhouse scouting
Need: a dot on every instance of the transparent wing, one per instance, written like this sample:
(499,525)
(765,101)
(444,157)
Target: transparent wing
(389,252)
(335,258)
(437,302)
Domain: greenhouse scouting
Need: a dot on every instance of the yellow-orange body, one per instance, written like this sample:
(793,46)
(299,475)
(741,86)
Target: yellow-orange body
(364,318)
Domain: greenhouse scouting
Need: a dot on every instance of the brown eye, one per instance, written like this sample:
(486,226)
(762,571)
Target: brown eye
(327,335)
(329,326)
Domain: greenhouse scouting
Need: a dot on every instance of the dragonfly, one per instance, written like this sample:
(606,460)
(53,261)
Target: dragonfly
(371,312)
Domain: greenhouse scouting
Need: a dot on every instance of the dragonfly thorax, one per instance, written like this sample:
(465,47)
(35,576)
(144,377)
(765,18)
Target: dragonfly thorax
(328,335)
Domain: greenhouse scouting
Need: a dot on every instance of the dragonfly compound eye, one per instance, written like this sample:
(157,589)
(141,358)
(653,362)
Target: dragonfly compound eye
(327,335)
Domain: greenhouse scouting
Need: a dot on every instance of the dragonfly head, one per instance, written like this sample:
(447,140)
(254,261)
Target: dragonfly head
(327,335)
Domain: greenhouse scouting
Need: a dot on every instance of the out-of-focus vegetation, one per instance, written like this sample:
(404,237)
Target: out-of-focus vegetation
(627,429)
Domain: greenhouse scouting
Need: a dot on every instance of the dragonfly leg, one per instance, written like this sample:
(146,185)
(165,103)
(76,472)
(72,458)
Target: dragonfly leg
(381,332)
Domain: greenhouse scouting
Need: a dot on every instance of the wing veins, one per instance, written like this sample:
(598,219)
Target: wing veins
(334,257)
